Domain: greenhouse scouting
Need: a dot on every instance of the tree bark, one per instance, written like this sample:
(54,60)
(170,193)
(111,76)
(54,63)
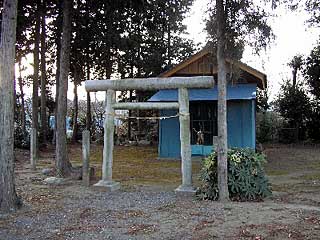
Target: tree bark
(58,43)
(88,122)
(62,164)
(75,108)
(88,115)
(35,96)
(43,114)
(222,105)
(8,196)
(23,114)
(169,45)
(294,77)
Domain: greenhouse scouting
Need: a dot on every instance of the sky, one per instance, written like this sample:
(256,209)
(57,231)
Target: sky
(293,37)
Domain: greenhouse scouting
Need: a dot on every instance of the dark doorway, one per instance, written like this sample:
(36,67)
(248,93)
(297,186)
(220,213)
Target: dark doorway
(203,117)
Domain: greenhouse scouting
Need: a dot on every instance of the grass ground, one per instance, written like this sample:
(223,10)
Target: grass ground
(147,208)
(138,165)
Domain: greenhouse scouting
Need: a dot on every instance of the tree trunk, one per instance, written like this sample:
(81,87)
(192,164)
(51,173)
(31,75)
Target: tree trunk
(88,115)
(23,114)
(43,113)
(222,105)
(58,43)
(294,77)
(62,163)
(8,196)
(88,122)
(75,109)
(35,118)
(169,45)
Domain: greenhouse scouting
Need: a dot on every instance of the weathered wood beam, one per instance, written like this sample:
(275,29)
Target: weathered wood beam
(150,83)
(145,105)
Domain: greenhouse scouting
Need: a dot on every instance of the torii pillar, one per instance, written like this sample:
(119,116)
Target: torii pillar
(186,187)
(106,180)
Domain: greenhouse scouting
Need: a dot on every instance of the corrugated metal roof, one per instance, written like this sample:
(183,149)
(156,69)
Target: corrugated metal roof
(234,92)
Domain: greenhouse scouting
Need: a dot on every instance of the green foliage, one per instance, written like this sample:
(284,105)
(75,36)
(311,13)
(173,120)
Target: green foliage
(263,129)
(313,7)
(268,125)
(312,71)
(246,177)
(262,100)
(21,140)
(293,104)
(313,124)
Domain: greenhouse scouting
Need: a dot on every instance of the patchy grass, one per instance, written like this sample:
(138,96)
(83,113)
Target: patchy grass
(136,165)
(311,177)
(292,158)
(279,188)
(276,172)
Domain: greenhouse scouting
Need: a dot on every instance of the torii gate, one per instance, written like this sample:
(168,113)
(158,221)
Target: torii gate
(180,83)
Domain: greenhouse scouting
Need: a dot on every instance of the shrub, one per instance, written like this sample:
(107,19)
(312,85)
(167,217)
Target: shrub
(246,177)
(21,140)
(267,126)
(314,123)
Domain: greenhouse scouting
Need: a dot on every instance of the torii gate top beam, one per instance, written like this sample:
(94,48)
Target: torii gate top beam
(150,83)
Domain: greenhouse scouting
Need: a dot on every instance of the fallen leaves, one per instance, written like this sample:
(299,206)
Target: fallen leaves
(141,229)
(203,224)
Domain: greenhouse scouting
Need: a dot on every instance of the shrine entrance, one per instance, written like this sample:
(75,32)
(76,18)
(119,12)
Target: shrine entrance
(180,83)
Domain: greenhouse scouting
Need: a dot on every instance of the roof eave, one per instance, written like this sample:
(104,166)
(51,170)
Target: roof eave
(259,75)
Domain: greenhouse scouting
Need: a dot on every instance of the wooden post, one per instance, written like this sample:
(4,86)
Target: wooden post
(33,148)
(186,165)
(86,157)
(106,180)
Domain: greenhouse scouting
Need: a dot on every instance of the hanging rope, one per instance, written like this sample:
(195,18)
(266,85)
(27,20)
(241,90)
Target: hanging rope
(123,117)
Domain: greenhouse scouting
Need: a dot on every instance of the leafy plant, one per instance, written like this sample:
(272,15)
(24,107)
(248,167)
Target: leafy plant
(246,177)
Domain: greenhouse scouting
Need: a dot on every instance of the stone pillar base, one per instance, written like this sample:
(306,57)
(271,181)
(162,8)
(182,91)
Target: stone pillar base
(109,186)
(185,191)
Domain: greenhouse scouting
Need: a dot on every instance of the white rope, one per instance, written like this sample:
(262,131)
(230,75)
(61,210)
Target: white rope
(123,117)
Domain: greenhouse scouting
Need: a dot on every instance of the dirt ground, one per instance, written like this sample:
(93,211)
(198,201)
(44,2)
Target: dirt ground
(147,208)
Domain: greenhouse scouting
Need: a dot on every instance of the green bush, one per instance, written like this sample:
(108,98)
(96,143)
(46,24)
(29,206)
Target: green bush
(267,126)
(246,177)
(21,140)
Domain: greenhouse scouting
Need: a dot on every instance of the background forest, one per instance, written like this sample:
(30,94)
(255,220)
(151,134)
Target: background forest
(118,39)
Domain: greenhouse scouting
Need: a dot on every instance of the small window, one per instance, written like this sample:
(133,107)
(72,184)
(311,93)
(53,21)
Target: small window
(203,122)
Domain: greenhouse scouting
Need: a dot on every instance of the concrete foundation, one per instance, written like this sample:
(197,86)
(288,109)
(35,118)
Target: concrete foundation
(108,186)
(185,191)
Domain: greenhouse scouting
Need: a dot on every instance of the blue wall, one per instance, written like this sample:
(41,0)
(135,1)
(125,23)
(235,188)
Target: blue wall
(241,130)
(169,135)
